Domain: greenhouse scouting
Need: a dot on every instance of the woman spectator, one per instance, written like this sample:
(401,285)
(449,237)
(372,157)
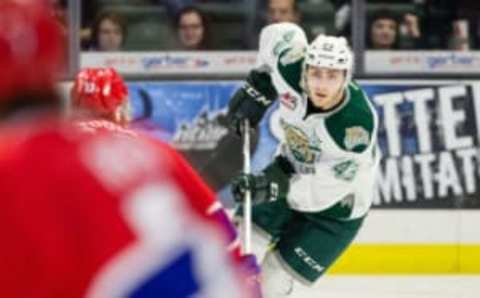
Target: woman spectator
(193,29)
(383,31)
(108,33)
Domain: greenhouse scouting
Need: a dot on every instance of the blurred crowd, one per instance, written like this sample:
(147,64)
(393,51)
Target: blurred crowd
(116,25)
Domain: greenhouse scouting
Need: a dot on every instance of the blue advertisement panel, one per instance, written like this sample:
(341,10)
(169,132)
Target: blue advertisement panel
(428,136)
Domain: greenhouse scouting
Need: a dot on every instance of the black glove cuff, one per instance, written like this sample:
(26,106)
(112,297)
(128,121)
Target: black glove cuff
(262,82)
(285,165)
(261,188)
(278,174)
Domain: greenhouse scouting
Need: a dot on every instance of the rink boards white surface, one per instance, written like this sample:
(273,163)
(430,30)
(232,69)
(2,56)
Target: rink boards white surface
(373,286)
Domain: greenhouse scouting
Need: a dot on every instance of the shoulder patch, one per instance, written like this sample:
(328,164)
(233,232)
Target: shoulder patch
(353,127)
(356,136)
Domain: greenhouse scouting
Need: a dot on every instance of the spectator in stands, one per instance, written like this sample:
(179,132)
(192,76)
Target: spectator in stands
(273,11)
(59,12)
(452,25)
(383,31)
(108,32)
(283,11)
(388,32)
(466,28)
(193,29)
(408,25)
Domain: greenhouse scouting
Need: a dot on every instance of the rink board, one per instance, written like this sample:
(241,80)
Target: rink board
(415,242)
(422,222)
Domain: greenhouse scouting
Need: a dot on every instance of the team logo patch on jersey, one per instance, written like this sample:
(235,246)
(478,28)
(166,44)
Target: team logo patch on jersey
(288,100)
(346,170)
(356,136)
(304,149)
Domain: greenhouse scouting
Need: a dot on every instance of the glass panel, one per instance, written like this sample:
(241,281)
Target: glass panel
(118,25)
(155,25)
(422,24)
(422,37)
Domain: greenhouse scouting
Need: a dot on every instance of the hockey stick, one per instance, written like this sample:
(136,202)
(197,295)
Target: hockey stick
(247,204)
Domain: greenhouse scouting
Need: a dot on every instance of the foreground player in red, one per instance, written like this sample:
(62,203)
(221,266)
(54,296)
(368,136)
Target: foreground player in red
(91,215)
(101,104)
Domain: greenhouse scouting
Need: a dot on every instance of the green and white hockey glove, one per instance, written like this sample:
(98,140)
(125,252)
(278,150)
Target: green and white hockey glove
(269,185)
(251,101)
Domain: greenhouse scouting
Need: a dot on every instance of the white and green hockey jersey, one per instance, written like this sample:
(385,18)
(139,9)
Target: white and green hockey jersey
(334,153)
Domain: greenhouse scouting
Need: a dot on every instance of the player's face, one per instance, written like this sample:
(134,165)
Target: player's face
(191,30)
(325,86)
(110,36)
(383,33)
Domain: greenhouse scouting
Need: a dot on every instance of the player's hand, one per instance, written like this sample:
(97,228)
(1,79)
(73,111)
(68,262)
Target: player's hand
(271,184)
(258,185)
(251,101)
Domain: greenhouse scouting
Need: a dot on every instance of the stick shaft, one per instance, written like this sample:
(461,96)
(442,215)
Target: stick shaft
(247,206)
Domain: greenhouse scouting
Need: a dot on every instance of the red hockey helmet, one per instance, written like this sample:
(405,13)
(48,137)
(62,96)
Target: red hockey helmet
(31,48)
(101,90)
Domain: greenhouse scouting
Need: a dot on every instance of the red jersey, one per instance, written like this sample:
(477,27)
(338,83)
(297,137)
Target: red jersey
(203,198)
(104,216)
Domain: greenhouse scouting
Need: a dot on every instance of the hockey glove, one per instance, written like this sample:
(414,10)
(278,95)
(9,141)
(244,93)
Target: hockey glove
(251,101)
(269,185)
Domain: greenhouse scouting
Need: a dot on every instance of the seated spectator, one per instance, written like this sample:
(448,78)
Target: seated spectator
(283,11)
(465,26)
(383,31)
(108,33)
(193,29)
(411,36)
(59,13)
(409,30)
(273,11)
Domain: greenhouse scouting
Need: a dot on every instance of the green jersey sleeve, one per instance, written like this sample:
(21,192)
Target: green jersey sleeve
(354,127)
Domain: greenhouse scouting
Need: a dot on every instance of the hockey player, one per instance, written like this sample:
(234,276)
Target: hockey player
(310,201)
(101,104)
(99,99)
(87,215)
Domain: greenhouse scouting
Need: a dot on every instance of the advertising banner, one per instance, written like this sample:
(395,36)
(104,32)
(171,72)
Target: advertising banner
(401,62)
(173,63)
(428,135)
